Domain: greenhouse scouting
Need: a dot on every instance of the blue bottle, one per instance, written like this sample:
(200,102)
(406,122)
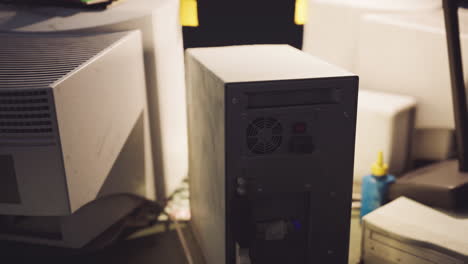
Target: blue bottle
(375,186)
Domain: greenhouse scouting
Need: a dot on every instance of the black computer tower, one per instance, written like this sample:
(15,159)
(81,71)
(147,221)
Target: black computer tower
(271,143)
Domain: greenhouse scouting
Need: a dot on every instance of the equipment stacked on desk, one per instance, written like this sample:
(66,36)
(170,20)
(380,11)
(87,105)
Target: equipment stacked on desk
(332,30)
(385,122)
(79,142)
(445,184)
(271,154)
(162,42)
(74,135)
(408,232)
(409,51)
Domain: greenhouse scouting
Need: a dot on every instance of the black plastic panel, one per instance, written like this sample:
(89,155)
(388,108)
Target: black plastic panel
(292,98)
(291,204)
(8,185)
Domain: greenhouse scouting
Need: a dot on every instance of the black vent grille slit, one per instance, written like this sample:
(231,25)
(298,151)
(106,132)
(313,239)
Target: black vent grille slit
(25,116)
(30,65)
(264,135)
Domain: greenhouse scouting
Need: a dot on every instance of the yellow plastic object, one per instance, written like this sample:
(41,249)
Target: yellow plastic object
(379,168)
(189,13)
(300,15)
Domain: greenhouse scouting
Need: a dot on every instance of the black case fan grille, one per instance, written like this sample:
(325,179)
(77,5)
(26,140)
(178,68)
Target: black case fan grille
(264,135)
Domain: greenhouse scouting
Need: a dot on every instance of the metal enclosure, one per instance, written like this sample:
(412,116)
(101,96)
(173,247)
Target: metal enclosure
(407,232)
(271,146)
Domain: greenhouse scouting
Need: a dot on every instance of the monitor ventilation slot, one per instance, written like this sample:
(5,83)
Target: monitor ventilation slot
(25,117)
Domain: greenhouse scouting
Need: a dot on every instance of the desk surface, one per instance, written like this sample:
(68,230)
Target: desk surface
(355,238)
(163,247)
(159,245)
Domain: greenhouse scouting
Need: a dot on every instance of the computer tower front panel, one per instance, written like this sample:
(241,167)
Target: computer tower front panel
(289,162)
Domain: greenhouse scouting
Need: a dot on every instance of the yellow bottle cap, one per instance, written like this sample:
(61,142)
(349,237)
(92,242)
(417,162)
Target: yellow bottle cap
(379,168)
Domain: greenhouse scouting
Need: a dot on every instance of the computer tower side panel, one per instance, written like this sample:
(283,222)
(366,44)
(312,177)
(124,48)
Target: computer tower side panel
(288,187)
(205,97)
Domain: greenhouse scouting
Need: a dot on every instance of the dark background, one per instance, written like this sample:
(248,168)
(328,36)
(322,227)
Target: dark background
(227,22)
(235,22)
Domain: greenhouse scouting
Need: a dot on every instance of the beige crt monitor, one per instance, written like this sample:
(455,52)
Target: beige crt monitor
(332,30)
(158,21)
(74,135)
(410,53)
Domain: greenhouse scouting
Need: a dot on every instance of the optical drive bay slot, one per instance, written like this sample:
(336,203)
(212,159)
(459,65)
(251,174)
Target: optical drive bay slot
(293,98)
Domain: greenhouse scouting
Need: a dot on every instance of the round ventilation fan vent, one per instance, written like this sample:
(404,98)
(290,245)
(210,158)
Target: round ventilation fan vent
(264,135)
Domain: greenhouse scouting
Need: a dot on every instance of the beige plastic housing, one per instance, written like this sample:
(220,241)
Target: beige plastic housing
(162,42)
(74,123)
(409,52)
(385,122)
(94,108)
(405,231)
(332,30)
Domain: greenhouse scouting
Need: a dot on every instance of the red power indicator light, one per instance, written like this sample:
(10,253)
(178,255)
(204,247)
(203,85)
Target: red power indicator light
(299,128)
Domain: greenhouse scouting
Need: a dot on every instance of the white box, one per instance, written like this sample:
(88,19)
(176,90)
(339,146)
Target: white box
(407,54)
(405,231)
(385,122)
(333,27)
